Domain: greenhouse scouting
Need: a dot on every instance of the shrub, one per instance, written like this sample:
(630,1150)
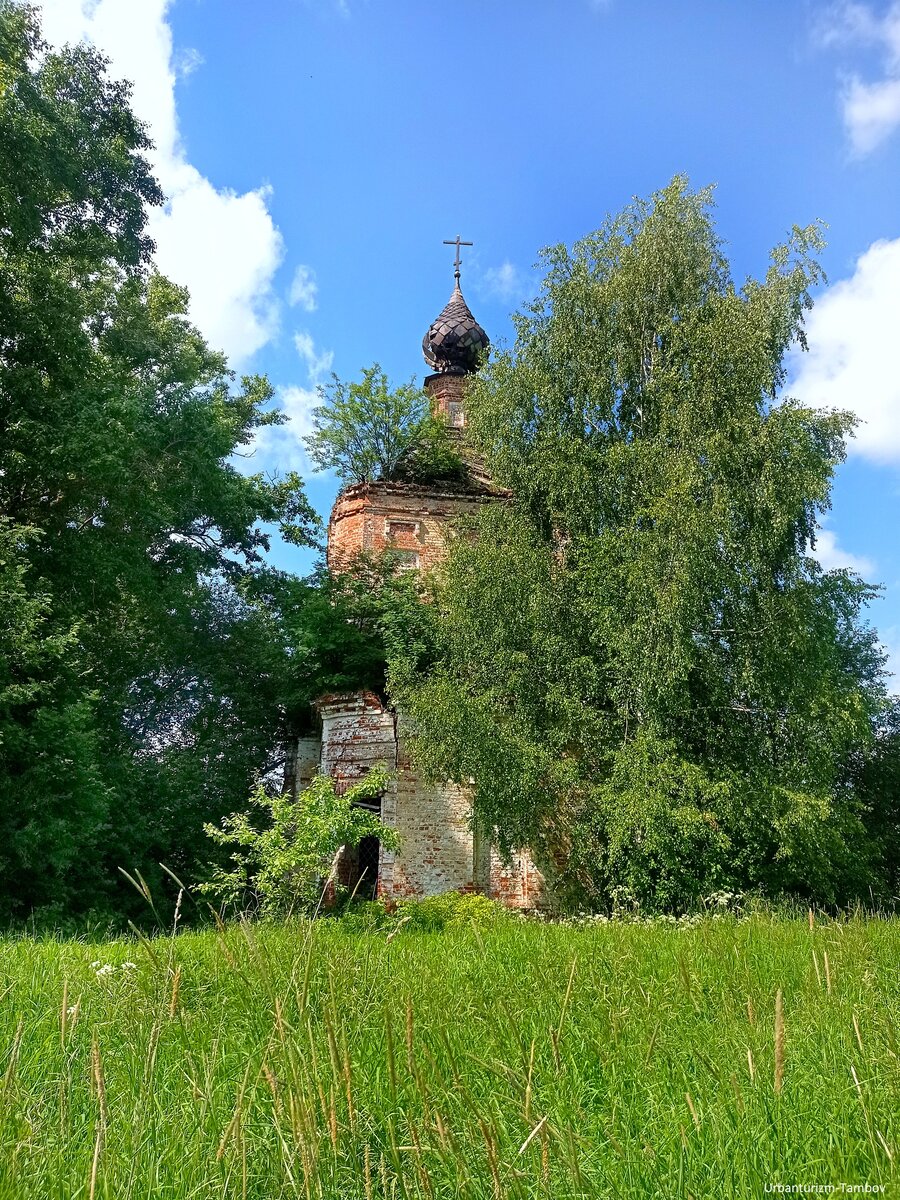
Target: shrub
(282,867)
(364,916)
(434,913)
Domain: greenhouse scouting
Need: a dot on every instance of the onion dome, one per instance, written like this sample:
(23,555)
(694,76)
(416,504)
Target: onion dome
(455,342)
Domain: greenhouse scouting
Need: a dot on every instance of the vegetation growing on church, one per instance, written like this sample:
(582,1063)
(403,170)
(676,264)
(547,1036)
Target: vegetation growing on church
(640,663)
(369,431)
(278,870)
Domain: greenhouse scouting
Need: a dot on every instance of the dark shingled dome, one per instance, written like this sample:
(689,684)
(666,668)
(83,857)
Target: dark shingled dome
(455,342)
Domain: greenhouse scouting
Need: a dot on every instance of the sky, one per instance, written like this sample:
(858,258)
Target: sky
(316,153)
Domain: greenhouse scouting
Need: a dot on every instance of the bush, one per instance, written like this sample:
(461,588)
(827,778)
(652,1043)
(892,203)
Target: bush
(283,867)
(363,916)
(434,913)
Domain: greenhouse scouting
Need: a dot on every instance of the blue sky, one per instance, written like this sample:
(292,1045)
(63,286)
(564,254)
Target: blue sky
(317,152)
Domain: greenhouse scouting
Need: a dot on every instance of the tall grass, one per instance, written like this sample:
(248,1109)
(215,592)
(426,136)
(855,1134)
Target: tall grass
(522,1060)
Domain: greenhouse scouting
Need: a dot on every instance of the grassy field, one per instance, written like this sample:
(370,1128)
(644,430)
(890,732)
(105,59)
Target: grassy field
(522,1060)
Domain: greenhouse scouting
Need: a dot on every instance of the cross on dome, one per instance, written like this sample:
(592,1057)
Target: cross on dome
(457,242)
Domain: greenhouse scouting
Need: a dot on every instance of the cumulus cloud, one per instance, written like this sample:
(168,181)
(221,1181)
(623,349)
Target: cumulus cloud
(851,362)
(304,289)
(832,557)
(224,247)
(871,112)
(871,109)
(281,446)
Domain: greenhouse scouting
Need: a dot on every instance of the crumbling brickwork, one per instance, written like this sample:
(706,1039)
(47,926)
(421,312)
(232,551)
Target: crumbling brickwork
(439,849)
(447,395)
(410,519)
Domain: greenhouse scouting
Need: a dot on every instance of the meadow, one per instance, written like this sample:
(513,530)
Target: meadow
(721,1058)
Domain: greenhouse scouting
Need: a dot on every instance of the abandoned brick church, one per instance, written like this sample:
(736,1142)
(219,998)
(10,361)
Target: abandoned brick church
(440,849)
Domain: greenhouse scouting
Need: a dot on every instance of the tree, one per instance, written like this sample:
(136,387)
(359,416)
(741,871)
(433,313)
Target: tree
(132,703)
(639,664)
(334,631)
(366,431)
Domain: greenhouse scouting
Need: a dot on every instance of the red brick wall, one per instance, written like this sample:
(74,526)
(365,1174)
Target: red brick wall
(447,394)
(413,519)
(439,850)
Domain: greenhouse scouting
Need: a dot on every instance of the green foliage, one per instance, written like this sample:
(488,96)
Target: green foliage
(282,867)
(432,914)
(336,630)
(363,916)
(132,706)
(647,676)
(368,431)
(424,1062)
(876,780)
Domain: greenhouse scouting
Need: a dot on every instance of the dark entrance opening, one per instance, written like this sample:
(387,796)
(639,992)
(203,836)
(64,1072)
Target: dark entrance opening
(362,877)
(358,870)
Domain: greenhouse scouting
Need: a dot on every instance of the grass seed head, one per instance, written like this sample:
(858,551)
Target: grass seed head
(779,1041)
(173,997)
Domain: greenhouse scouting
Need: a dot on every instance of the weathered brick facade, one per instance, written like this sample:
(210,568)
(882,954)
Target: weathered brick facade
(440,849)
(440,852)
(409,519)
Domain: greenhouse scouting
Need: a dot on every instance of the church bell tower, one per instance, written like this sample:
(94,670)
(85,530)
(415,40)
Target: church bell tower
(440,851)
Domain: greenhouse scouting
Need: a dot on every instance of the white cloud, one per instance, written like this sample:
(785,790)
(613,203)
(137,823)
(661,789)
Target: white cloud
(502,282)
(847,23)
(832,558)
(505,283)
(187,61)
(298,403)
(871,110)
(316,364)
(304,289)
(852,360)
(222,246)
(282,445)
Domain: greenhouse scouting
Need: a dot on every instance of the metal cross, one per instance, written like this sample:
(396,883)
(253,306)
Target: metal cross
(457,242)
